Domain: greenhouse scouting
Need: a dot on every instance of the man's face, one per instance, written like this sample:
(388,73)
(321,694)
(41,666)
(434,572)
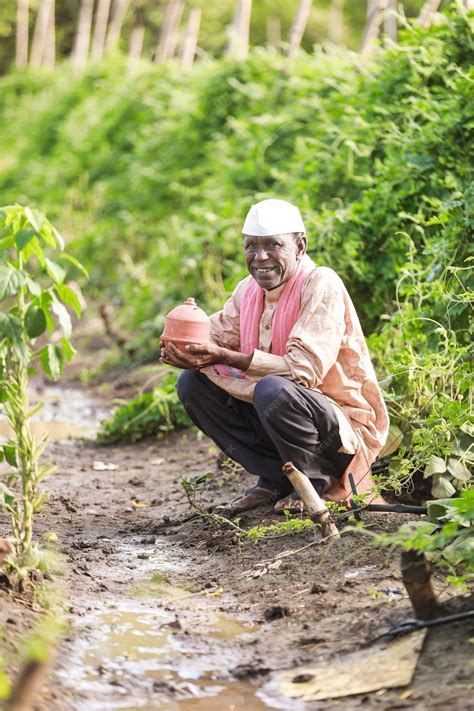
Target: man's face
(273,260)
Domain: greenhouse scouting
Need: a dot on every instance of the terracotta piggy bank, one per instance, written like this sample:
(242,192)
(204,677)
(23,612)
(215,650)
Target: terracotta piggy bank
(186,324)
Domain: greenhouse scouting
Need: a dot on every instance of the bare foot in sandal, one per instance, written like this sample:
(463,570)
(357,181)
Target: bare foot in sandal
(290,503)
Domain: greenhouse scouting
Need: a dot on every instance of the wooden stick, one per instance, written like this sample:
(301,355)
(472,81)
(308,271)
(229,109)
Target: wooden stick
(135,48)
(100,29)
(425,16)
(188,49)
(297,30)
(375,14)
(315,506)
(49,55)
(169,31)
(40,34)
(390,27)
(115,27)
(83,35)
(240,30)
(22,12)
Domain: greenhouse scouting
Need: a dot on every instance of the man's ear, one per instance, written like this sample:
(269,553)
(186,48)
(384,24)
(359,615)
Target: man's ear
(301,245)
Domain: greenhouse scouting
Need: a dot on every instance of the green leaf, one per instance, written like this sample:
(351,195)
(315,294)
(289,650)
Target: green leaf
(11,280)
(35,218)
(35,321)
(7,241)
(58,237)
(458,470)
(55,271)
(68,349)
(33,287)
(69,297)
(75,263)
(52,361)
(9,450)
(10,327)
(33,248)
(63,317)
(24,236)
(442,487)
(435,465)
(438,508)
(46,299)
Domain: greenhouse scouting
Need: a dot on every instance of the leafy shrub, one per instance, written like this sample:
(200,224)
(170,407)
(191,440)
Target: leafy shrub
(447,541)
(150,413)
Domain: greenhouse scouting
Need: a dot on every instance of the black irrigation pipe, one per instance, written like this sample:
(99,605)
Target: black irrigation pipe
(413,625)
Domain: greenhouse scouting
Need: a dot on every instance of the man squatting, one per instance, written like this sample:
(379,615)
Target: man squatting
(286,375)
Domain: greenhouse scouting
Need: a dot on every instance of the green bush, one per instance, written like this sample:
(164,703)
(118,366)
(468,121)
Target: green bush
(150,413)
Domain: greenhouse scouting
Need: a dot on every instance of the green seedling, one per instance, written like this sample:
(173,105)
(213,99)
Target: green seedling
(35,332)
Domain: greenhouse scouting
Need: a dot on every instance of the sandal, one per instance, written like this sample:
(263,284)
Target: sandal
(250,499)
(291,503)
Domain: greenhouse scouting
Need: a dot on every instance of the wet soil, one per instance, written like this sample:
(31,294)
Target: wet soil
(169,612)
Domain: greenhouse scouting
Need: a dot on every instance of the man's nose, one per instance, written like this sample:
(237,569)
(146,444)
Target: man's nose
(261,255)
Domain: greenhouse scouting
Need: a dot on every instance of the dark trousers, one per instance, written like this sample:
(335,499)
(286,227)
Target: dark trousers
(286,422)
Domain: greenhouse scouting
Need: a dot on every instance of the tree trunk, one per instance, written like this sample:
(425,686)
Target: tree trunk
(49,59)
(115,27)
(273,32)
(22,15)
(100,29)
(336,21)
(424,18)
(298,28)
(240,30)
(135,48)
(375,14)
(80,51)
(41,33)
(390,26)
(188,49)
(168,38)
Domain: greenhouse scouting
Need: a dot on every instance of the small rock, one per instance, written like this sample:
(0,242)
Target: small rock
(276,612)
(36,576)
(318,588)
(302,678)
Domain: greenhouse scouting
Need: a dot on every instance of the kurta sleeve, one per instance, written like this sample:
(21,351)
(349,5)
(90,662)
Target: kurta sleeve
(225,324)
(315,339)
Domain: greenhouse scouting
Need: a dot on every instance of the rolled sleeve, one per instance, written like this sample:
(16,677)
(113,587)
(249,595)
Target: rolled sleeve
(264,363)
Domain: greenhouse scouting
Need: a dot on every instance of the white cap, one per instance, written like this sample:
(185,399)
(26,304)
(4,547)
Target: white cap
(272,217)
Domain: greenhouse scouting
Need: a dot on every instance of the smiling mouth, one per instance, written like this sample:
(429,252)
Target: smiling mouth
(264,270)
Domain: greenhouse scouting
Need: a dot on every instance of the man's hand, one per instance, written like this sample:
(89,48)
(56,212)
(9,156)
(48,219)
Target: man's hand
(200,355)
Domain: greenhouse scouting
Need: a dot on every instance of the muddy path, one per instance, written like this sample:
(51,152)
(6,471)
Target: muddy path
(168,612)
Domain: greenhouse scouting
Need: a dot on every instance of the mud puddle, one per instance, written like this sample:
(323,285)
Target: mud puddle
(174,651)
(67,413)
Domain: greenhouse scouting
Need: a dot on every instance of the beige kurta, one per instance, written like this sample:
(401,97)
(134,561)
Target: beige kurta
(326,351)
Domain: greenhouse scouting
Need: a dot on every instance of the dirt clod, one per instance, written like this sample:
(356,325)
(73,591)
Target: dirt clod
(276,612)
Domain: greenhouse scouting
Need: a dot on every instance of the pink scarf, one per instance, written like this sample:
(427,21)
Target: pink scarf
(286,312)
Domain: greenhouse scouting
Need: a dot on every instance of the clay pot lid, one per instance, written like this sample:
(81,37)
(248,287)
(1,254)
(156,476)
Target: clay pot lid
(189,311)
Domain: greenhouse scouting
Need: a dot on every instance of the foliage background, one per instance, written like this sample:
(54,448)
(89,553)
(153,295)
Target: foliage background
(150,175)
(216,18)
